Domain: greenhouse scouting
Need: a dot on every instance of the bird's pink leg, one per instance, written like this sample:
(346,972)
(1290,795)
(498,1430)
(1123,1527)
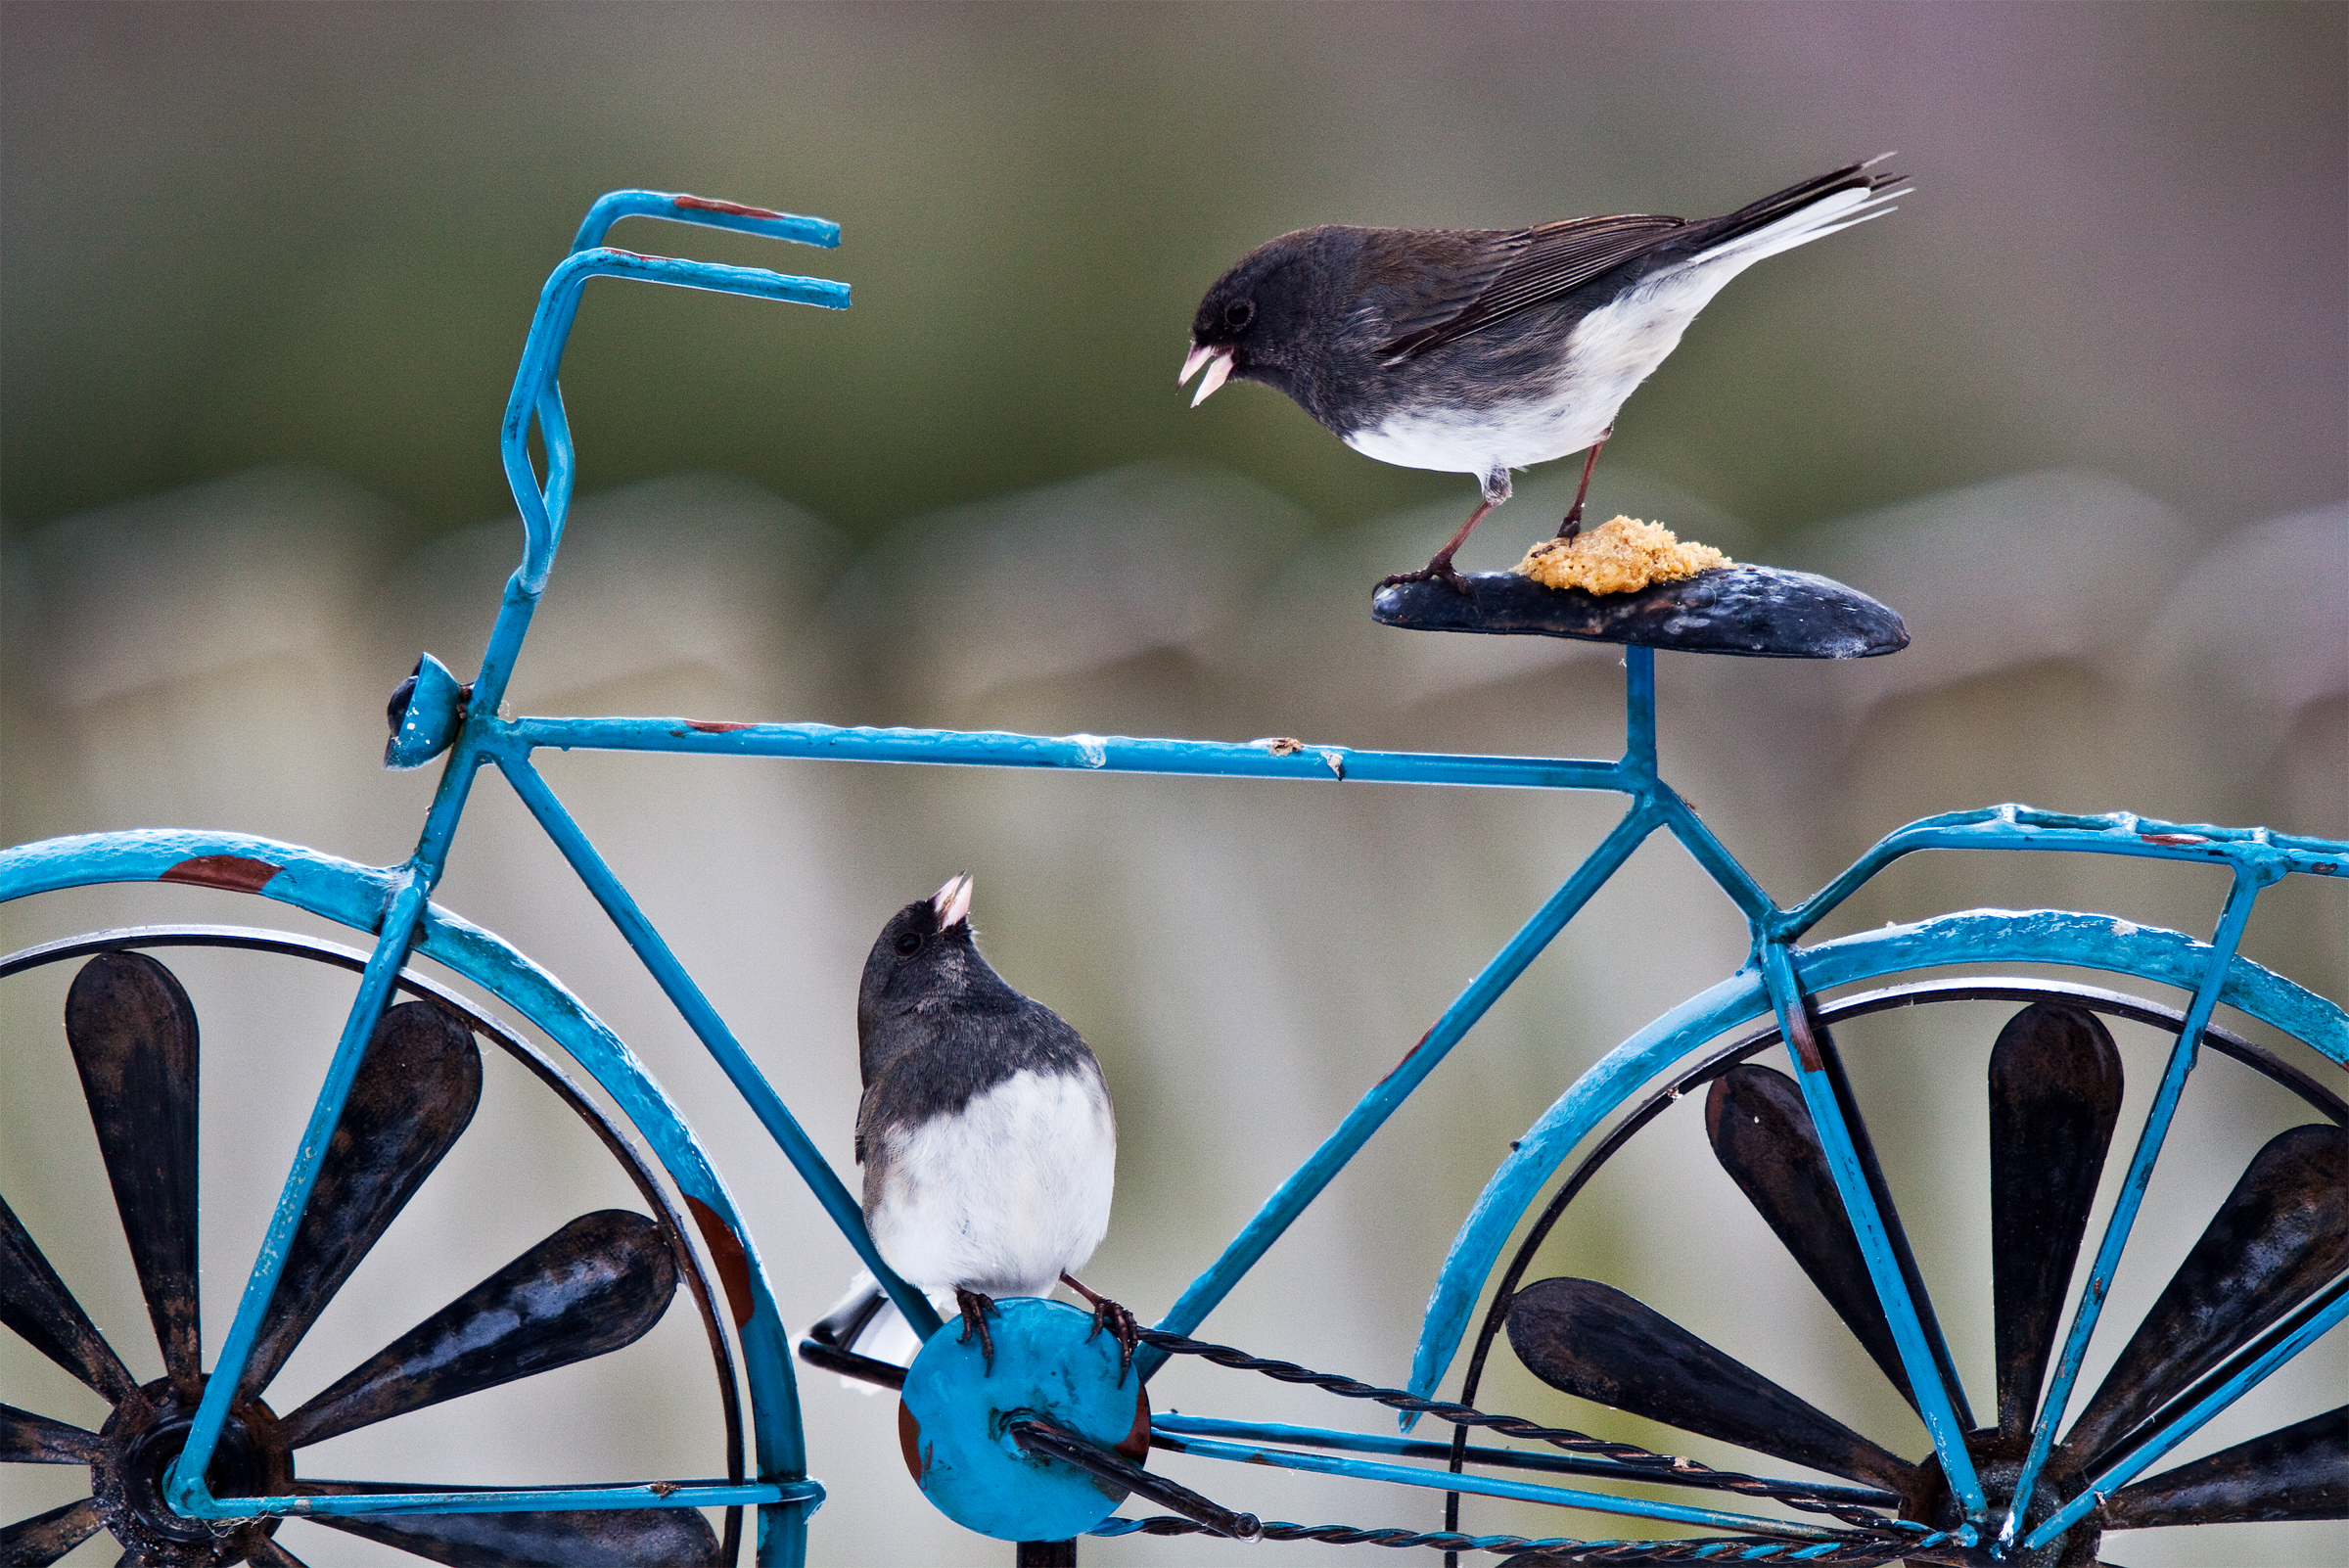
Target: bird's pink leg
(1440,566)
(1574,516)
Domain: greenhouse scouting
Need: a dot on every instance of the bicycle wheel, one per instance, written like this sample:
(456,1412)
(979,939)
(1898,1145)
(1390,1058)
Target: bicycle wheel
(122,1009)
(2270,1260)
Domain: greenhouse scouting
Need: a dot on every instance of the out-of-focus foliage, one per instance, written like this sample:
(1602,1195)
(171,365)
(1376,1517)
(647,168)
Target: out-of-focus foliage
(239,234)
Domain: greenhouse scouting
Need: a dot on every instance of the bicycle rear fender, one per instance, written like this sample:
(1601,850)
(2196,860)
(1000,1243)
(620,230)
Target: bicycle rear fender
(357,897)
(1976,935)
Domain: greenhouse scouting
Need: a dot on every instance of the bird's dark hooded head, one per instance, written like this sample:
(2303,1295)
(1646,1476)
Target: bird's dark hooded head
(924,961)
(1267,319)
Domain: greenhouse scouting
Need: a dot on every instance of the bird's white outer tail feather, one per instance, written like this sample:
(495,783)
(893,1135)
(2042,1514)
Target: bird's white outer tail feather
(1822,217)
(1644,325)
(886,1336)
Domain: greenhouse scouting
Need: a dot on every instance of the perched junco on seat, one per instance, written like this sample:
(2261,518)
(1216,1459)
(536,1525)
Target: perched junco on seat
(986,1132)
(1480,350)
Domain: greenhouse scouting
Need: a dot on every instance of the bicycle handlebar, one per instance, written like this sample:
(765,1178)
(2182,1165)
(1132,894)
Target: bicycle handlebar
(679,207)
(536,396)
(534,392)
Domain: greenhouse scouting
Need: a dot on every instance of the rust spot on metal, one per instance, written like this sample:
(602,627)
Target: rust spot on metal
(1135,1446)
(238,873)
(1408,1055)
(702,204)
(725,1251)
(2173,838)
(715,726)
(1806,1048)
(909,1441)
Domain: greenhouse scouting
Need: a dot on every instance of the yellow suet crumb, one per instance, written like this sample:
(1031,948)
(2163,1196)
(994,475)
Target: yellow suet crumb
(1619,556)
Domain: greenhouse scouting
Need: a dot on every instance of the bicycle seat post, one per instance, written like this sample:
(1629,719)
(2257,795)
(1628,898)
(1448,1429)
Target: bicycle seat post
(1640,713)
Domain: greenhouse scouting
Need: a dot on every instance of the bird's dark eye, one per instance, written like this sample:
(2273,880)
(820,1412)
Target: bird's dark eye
(1239,313)
(910,943)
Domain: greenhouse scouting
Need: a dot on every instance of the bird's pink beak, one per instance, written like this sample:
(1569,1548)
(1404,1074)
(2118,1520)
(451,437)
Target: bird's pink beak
(1219,367)
(951,903)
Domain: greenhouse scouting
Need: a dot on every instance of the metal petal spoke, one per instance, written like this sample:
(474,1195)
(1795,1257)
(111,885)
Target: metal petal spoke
(415,1089)
(593,1286)
(2055,1096)
(35,1302)
(1762,1135)
(1592,1341)
(2282,1233)
(29,1438)
(46,1537)
(267,1554)
(2301,1472)
(133,1034)
(582,1538)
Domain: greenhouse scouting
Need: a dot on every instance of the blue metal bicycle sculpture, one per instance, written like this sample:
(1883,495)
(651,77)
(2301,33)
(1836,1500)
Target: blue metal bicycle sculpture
(195,1467)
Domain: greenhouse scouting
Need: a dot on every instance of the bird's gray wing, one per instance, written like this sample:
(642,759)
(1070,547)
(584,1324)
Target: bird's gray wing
(1539,267)
(1410,281)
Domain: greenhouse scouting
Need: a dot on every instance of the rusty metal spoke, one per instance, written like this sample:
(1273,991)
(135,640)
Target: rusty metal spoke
(1762,1134)
(2301,1472)
(267,1554)
(29,1438)
(1592,1341)
(598,1283)
(416,1091)
(2055,1097)
(45,1538)
(35,1302)
(133,1034)
(2282,1233)
(581,1538)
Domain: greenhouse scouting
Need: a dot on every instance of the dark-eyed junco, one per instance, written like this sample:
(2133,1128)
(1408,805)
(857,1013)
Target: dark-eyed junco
(986,1132)
(1480,350)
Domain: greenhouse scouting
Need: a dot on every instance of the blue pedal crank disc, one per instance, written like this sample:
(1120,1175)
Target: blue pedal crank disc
(955,1417)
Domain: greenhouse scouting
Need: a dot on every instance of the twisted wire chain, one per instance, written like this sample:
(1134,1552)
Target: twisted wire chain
(1938,1546)
(1788,1493)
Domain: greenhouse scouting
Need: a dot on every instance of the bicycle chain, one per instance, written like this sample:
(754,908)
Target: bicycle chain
(1938,1546)
(1881,1541)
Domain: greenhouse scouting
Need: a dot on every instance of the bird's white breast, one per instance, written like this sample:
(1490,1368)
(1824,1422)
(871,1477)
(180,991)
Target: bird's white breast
(1003,1196)
(1605,358)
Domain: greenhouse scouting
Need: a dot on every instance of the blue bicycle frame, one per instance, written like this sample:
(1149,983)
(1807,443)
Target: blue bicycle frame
(467,725)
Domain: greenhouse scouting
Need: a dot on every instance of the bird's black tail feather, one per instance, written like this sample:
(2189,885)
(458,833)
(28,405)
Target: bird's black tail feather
(1768,210)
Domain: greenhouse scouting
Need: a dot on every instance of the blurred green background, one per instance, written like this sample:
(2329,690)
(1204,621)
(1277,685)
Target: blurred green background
(2077,410)
(243,234)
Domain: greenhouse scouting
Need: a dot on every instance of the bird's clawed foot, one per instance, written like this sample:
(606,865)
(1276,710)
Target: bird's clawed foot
(1108,1314)
(1440,570)
(976,1311)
